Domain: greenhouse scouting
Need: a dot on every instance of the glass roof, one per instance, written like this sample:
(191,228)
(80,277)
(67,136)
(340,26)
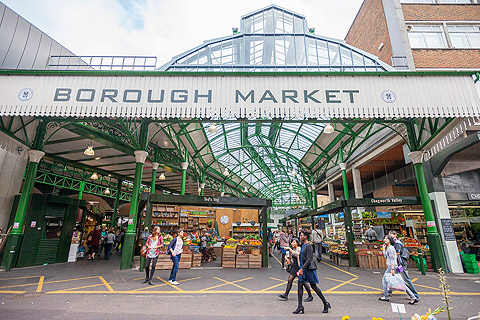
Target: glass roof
(264,155)
(275,39)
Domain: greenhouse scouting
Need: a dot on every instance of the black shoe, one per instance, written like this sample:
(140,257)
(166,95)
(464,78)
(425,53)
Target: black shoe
(283,296)
(270,255)
(146,280)
(309,298)
(326,307)
(299,310)
(413,301)
(150,282)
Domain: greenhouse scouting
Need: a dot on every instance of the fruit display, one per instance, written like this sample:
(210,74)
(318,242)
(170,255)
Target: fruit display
(231,243)
(410,242)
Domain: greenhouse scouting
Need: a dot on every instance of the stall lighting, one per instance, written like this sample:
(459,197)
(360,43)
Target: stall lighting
(226,172)
(290,188)
(245,189)
(94,176)
(107,191)
(162,176)
(213,128)
(294,173)
(89,151)
(328,129)
(222,194)
(97,158)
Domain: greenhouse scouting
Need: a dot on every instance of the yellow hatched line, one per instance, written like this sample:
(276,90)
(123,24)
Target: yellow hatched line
(40,284)
(277,285)
(233,284)
(11,291)
(224,284)
(171,285)
(355,284)
(20,278)
(20,285)
(277,259)
(340,285)
(332,266)
(83,287)
(164,284)
(109,287)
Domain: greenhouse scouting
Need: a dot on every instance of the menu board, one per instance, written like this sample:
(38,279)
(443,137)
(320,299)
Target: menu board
(447,228)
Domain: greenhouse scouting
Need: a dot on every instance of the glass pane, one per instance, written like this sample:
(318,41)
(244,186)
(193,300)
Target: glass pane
(459,40)
(416,40)
(434,40)
(300,50)
(346,58)
(280,52)
(334,54)
(311,52)
(322,53)
(268,24)
(474,39)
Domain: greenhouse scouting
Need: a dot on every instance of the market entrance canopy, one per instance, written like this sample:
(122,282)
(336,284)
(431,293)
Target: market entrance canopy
(165,95)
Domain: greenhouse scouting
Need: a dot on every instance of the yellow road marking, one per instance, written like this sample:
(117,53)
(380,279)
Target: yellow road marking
(109,287)
(20,285)
(414,280)
(40,284)
(419,285)
(168,283)
(277,259)
(283,282)
(340,285)
(232,283)
(273,278)
(47,282)
(83,287)
(328,264)
(20,278)
(355,284)
(142,278)
(11,291)
(164,284)
(224,284)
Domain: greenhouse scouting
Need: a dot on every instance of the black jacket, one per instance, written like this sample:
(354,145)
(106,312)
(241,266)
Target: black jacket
(307,258)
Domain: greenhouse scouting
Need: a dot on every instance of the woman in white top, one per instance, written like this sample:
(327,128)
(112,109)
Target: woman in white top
(175,248)
(154,245)
(391,255)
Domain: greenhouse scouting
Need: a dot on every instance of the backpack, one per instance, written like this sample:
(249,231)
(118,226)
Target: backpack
(404,254)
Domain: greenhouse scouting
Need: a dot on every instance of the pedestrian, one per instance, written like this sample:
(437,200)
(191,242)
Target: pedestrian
(205,238)
(109,241)
(122,237)
(371,234)
(391,255)
(293,268)
(276,237)
(317,237)
(402,259)
(94,241)
(270,242)
(308,273)
(175,249)
(102,240)
(283,245)
(154,245)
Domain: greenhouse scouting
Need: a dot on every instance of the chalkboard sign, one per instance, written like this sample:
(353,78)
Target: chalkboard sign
(448,232)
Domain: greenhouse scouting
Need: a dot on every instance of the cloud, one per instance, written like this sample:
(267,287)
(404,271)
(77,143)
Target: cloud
(164,28)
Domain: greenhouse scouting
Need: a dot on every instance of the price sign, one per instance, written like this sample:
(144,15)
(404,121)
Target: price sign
(448,231)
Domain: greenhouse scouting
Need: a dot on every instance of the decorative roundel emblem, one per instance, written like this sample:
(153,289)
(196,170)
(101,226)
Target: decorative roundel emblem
(224,220)
(389,96)
(25,94)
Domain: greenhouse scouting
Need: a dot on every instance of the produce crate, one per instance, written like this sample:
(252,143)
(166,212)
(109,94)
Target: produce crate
(197,260)
(228,258)
(241,261)
(382,262)
(254,261)
(343,262)
(416,260)
(185,261)
(164,262)
(363,260)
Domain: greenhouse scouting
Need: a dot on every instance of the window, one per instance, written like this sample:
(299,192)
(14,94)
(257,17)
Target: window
(440,1)
(464,36)
(426,37)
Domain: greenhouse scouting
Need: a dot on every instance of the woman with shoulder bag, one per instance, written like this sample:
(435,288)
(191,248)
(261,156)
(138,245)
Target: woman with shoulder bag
(175,249)
(154,244)
(390,253)
(292,269)
(308,273)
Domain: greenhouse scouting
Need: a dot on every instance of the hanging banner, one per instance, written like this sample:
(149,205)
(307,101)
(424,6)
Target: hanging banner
(226,96)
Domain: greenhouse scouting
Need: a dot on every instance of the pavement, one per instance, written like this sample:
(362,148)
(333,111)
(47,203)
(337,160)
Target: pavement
(99,290)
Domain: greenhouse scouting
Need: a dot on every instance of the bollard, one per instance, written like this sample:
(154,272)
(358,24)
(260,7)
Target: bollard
(420,257)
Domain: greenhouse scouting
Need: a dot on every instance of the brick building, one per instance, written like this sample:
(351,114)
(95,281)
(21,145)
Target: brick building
(420,34)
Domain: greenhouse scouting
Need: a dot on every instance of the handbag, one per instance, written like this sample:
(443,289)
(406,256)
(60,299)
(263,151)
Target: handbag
(143,251)
(399,269)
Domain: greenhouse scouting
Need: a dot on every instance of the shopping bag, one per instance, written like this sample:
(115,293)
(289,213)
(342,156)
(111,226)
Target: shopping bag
(395,282)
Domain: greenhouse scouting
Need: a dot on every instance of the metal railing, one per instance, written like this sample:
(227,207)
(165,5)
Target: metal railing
(129,63)
(400,62)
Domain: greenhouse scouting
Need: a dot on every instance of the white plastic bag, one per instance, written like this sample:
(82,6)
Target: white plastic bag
(395,282)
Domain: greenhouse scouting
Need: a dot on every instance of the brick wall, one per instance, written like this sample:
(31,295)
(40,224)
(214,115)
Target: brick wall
(396,191)
(439,12)
(369,30)
(446,58)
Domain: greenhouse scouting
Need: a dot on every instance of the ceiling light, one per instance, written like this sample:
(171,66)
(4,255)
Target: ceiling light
(213,128)
(226,172)
(291,188)
(94,176)
(97,158)
(245,189)
(89,151)
(107,191)
(328,129)
(294,173)
(162,176)
(222,194)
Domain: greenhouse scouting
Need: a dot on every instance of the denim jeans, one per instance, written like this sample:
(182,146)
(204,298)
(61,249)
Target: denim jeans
(108,250)
(176,262)
(409,283)
(318,250)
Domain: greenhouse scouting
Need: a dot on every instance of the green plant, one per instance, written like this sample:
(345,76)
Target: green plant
(445,291)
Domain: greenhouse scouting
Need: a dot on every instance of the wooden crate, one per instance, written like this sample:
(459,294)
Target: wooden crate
(382,262)
(185,261)
(164,262)
(363,261)
(254,261)
(197,260)
(343,262)
(372,261)
(241,261)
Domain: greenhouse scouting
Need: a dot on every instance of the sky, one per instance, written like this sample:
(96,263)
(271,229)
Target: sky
(164,28)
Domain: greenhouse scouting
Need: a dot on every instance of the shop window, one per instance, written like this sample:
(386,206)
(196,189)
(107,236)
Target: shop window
(53,228)
(426,37)
(464,36)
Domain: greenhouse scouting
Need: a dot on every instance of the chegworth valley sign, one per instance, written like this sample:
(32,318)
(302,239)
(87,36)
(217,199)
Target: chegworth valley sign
(230,95)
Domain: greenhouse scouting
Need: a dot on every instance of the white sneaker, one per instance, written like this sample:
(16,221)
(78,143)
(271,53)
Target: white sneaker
(170,281)
(175,283)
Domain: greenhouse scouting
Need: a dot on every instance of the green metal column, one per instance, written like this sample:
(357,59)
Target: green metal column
(433,237)
(115,205)
(314,197)
(202,187)
(15,238)
(352,260)
(264,238)
(81,189)
(129,242)
(184,166)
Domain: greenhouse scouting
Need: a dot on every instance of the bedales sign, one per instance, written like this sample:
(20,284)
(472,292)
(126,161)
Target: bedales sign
(227,96)
(474,196)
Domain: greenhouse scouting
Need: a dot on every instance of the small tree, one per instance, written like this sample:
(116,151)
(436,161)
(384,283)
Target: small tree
(445,291)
